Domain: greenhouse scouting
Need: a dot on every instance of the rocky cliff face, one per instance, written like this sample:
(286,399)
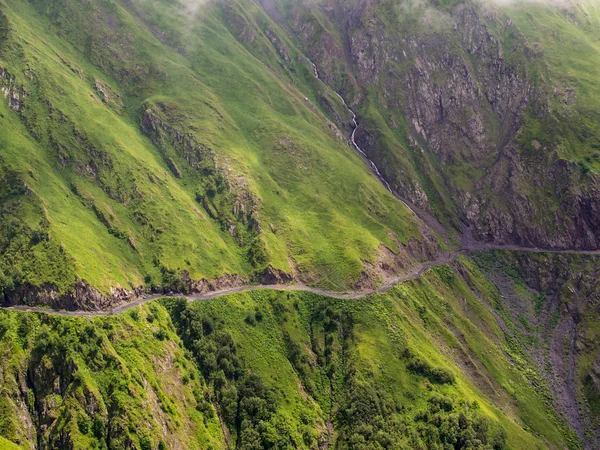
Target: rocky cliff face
(551,205)
(449,97)
(563,315)
(82,297)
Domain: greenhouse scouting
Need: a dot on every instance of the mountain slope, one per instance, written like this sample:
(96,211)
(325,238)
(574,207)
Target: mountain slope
(483,115)
(187,147)
(163,156)
(436,360)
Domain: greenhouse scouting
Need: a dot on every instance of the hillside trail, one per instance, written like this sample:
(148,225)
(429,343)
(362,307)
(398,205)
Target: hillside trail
(468,245)
(413,274)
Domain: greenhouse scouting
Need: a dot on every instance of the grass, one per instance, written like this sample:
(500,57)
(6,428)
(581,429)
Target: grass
(111,200)
(7,445)
(433,338)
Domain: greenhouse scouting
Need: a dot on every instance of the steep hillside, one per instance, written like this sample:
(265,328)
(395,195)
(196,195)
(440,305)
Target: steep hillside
(447,359)
(143,146)
(429,153)
(183,146)
(484,115)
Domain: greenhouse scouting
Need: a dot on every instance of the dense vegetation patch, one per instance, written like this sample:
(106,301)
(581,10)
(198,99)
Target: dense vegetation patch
(277,370)
(29,256)
(245,404)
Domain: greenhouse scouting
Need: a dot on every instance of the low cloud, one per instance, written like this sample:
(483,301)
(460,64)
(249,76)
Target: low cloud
(422,12)
(192,6)
(518,3)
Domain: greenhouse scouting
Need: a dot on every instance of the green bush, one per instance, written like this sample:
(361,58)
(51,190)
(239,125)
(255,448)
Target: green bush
(434,374)
(446,424)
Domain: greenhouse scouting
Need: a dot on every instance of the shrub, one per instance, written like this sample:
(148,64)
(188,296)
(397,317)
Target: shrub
(145,443)
(434,374)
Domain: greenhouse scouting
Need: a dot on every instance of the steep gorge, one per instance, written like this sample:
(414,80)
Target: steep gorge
(462,112)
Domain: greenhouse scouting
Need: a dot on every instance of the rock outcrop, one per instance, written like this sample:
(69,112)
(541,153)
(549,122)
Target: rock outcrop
(564,314)
(459,88)
(81,298)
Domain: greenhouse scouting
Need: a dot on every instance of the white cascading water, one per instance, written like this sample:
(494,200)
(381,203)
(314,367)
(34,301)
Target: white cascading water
(355,127)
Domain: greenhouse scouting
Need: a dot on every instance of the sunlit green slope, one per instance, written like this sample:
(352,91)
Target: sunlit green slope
(439,361)
(144,141)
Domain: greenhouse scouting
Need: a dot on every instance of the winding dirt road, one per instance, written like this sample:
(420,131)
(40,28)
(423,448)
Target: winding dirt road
(468,246)
(350,295)
(415,273)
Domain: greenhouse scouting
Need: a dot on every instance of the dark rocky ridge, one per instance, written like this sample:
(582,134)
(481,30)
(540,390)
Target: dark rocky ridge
(460,97)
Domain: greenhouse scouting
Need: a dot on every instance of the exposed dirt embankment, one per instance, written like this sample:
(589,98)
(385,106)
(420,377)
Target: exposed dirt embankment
(82,298)
(389,266)
(86,298)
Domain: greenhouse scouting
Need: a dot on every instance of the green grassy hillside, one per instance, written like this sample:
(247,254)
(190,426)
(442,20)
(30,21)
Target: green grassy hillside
(158,145)
(144,145)
(438,361)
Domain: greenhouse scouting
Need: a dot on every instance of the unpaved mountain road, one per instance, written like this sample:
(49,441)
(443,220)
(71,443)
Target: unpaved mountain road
(468,245)
(415,273)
